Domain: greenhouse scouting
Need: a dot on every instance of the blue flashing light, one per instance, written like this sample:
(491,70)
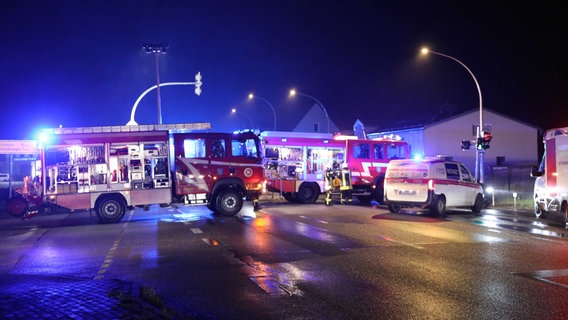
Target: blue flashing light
(418,157)
(43,137)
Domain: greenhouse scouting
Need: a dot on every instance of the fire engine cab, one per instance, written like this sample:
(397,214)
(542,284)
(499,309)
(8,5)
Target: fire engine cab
(110,169)
(296,163)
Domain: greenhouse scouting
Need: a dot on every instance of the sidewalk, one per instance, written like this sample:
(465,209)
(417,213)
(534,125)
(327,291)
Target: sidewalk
(45,297)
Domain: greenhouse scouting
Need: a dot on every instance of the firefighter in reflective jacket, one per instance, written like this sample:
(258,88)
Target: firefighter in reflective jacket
(338,183)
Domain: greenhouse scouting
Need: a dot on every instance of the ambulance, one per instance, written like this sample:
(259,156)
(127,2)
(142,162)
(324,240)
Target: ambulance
(551,184)
(433,184)
(296,163)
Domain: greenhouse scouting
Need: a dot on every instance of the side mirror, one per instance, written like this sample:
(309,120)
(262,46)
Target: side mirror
(535,172)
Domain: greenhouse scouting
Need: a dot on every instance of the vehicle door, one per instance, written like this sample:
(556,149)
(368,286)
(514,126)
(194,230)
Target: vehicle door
(454,190)
(470,188)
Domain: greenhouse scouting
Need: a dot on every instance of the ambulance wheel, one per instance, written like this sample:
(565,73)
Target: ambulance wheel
(477,205)
(308,193)
(439,207)
(538,212)
(566,217)
(110,209)
(229,202)
(564,210)
(394,208)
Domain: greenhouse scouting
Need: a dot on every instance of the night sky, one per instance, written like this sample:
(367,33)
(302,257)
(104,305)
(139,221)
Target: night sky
(81,62)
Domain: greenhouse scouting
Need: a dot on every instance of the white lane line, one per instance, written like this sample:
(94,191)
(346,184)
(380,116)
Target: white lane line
(112,252)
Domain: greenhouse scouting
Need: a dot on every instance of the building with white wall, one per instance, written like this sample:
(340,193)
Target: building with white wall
(514,142)
(315,121)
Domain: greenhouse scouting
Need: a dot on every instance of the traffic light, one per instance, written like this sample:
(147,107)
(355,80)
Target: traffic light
(483,142)
(466,144)
(198,83)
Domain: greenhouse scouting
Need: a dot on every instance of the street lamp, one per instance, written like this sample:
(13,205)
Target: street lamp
(156,50)
(252,96)
(197,84)
(479,153)
(234,111)
(293,92)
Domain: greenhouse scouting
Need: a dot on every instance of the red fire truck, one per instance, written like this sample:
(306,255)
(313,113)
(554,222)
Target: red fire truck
(111,169)
(296,163)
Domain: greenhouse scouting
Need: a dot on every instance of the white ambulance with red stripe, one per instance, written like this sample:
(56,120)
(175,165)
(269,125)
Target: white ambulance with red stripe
(551,184)
(113,168)
(296,163)
(434,184)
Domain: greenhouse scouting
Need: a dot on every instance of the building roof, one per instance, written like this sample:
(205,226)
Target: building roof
(424,122)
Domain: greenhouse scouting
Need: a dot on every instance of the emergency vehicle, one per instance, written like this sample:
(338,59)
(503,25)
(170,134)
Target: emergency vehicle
(551,184)
(432,183)
(296,163)
(110,169)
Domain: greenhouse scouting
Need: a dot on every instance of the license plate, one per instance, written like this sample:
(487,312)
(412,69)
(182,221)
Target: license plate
(407,192)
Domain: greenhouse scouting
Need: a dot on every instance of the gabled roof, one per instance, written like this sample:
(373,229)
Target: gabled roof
(425,122)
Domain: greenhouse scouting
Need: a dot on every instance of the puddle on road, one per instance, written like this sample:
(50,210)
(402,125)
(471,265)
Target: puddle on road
(522,225)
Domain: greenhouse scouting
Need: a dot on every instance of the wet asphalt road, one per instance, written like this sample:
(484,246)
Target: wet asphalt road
(287,261)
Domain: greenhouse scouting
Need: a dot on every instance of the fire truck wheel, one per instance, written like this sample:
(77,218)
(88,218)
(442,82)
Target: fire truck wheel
(290,196)
(17,206)
(439,206)
(477,205)
(379,191)
(365,199)
(229,202)
(110,209)
(308,193)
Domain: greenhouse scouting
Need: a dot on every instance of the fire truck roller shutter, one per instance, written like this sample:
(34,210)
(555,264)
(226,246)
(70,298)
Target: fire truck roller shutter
(308,192)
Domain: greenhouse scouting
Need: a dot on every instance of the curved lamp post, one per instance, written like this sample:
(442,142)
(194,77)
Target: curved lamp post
(197,84)
(293,92)
(479,153)
(252,96)
(234,111)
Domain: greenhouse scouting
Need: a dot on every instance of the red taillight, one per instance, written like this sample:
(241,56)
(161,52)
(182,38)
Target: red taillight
(430,184)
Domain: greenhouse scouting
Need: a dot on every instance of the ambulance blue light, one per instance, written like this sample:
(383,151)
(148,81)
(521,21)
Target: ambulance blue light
(418,157)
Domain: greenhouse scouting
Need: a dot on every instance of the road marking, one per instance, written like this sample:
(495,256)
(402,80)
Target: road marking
(557,277)
(270,284)
(317,220)
(211,242)
(196,230)
(112,252)
(400,242)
